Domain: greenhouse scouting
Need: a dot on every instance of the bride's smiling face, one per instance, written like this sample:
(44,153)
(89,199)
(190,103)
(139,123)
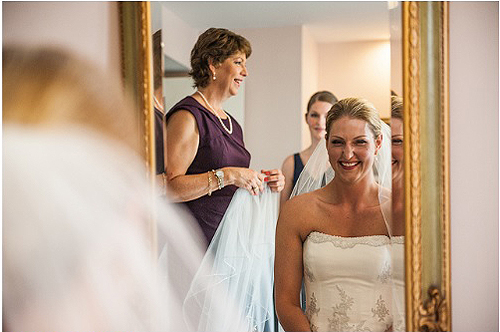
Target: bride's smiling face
(352,148)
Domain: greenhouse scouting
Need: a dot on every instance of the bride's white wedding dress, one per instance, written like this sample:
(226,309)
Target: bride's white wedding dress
(348,282)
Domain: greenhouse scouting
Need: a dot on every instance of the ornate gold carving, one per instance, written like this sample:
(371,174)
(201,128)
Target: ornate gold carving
(136,49)
(444,318)
(147,89)
(136,53)
(411,61)
(433,312)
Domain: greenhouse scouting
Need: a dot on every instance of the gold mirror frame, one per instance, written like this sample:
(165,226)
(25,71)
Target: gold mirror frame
(426,126)
(137,73)
(137,68)
(427,196)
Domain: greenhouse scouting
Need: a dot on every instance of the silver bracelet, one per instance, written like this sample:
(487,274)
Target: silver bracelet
(219,180)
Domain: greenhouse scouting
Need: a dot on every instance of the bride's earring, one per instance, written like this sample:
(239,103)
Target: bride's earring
(213,76)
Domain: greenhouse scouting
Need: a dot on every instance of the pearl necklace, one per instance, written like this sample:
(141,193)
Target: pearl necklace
(230,130)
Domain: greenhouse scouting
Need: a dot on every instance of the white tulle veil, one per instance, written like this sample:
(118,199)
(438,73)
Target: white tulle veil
(238,269)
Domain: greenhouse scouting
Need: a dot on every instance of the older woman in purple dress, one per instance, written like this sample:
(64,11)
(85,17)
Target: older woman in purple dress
(206,156)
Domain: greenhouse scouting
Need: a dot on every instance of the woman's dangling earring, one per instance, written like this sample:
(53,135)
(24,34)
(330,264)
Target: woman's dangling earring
(213,76)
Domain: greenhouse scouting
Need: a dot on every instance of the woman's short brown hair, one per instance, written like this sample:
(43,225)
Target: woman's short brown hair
(356,108)
(214,46)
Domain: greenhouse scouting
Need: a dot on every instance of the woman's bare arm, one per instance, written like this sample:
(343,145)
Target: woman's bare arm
(287,170)
(288,269)
(181,149)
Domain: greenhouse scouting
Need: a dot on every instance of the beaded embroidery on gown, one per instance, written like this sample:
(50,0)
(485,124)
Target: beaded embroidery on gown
(348,282)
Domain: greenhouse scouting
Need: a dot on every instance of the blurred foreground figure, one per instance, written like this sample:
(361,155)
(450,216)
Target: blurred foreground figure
(78,249)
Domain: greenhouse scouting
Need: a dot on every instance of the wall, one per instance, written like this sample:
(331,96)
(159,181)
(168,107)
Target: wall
(178,37)
(273,95)
(474,165)
(396,30)
(310,78)
(357,69)
(91,29)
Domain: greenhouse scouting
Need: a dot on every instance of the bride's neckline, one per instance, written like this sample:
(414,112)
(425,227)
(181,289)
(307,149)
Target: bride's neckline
(348,237)
(346,242)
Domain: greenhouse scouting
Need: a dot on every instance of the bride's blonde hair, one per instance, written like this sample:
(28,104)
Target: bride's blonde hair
(356,108)
(50,87)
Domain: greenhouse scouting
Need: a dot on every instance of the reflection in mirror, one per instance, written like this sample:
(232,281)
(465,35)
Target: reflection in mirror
(398,220)
(398,217)
(158,104)
(396,70)
(340,47)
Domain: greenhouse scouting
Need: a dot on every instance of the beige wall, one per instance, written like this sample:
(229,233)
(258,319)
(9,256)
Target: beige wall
(396,30)
(474,165)
(273,95)
(357,69)
(310,78)
(178,37)
(91,29)
(397,66)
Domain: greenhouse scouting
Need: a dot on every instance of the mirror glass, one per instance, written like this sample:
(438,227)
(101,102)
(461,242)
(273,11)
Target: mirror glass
(353,49)
(398,212)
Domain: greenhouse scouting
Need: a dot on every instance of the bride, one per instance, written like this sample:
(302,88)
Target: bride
(77,249)
(337,237)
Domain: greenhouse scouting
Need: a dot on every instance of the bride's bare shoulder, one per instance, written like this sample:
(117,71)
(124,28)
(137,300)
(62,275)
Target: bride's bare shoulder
(298,216)
(304,198)
(299,206)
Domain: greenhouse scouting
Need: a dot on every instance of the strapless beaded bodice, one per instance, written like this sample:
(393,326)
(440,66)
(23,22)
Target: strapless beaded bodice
(348,282)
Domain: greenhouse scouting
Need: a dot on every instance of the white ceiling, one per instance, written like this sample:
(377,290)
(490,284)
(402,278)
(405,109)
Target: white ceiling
(328,21)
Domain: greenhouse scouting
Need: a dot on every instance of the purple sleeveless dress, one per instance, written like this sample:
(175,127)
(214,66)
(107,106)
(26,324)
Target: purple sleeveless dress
(216,149)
